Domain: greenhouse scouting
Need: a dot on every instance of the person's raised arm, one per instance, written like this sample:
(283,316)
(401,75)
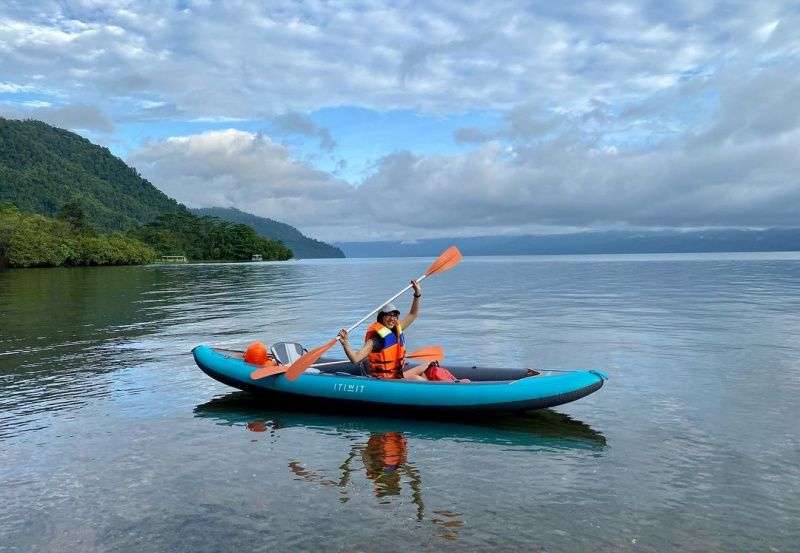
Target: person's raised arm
(414,311)
(354,356)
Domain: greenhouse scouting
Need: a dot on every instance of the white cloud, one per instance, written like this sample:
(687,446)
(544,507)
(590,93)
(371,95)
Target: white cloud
(487,192)
(149,104)
(297,123)
(77,116)
(36,104)
(740,168)
(15,88)
(242,59)
(245,170)
(758,107)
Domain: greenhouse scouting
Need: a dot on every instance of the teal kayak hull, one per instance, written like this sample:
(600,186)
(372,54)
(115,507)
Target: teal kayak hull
(517,393)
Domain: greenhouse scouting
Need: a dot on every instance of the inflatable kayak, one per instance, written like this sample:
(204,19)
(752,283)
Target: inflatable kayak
(490,389)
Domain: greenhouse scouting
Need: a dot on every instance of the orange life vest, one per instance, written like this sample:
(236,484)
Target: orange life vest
(389,353)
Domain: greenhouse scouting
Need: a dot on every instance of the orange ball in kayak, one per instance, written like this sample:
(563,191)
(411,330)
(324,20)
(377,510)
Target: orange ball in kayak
(256,353)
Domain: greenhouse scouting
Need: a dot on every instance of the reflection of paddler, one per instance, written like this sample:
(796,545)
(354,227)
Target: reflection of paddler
(388,448)
(385,457)
(257,426)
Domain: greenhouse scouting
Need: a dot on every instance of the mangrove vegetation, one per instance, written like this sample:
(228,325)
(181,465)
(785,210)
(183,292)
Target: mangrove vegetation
(207,238)
(32,240)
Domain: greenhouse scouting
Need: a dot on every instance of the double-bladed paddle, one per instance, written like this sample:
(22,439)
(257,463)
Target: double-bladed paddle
(422,355)
(446,260)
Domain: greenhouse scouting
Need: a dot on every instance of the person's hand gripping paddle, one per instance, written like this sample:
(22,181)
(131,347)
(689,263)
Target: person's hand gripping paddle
(447,260)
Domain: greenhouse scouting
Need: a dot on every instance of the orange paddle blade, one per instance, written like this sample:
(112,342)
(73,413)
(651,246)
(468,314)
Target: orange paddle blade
(447,260)
(427,354)
(268,370)
(298,367)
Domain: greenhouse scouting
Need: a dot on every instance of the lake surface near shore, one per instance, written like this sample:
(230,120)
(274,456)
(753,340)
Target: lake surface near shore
(111,439)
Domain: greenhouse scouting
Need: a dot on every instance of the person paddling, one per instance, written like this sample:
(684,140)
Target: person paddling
(384,343)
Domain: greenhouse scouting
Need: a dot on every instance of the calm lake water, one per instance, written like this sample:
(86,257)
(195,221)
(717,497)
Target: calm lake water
(111,439)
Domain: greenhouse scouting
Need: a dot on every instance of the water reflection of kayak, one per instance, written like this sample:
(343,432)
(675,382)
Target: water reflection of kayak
(491,389)
(545,428)
(379,451)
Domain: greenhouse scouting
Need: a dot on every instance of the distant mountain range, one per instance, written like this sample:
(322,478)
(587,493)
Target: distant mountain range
(301,245)
(589,243)
(42,168)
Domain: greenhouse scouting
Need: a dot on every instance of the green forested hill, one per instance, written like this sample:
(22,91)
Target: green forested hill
(43,167)
(301,245)
(208,238)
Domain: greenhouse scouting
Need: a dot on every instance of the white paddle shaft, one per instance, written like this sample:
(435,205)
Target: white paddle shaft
(329,363)
(371,313)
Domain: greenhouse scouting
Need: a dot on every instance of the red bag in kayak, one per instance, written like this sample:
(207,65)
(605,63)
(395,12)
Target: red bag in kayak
(435,372)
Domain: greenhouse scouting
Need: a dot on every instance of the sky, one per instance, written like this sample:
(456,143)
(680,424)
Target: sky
(371,120)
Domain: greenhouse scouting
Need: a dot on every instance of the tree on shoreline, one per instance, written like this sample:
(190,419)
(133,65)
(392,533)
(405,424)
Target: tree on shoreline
(29,240)
(72,213)
(208,238)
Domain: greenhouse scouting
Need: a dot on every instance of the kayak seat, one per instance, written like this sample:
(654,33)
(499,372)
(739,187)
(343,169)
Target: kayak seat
(286,353)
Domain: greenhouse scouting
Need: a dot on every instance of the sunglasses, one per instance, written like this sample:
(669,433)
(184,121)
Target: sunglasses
(392,314)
